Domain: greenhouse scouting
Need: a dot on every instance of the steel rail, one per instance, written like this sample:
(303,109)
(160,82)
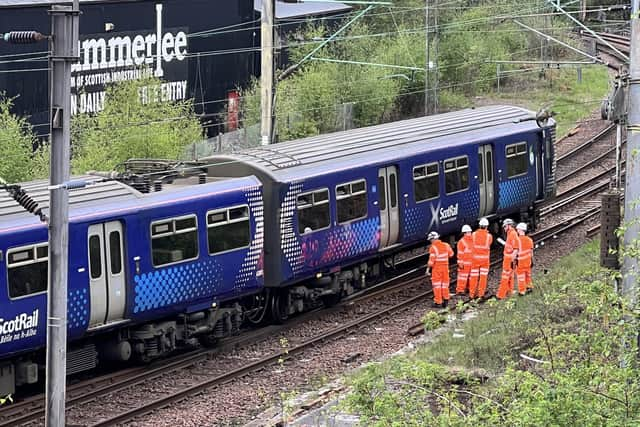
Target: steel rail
(249,368)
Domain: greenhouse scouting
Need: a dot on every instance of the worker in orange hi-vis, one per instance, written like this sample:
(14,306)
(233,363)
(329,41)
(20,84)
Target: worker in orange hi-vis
(510,254)
(525,259)
(482,241)
(438,268)
(465,259)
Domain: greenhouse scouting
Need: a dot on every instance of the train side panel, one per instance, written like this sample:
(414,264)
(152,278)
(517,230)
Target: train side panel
(328,242)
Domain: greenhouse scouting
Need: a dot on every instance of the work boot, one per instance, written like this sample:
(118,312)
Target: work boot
(445,304)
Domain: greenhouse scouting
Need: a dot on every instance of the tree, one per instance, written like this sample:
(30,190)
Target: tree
(17,142)
(135,123)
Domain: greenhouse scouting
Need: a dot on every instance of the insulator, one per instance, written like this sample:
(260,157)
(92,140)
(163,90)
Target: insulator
(23,37)
(202,178)
(157,185)
(30,205)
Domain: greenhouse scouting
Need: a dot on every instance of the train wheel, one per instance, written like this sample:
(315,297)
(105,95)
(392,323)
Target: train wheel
(208,340)
(331,300)
(280,306)
(258,307)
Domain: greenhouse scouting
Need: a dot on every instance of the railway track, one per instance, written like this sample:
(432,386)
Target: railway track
(277,357)
(32,408)
(621,43)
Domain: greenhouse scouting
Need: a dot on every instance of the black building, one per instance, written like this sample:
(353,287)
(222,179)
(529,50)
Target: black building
(201,49)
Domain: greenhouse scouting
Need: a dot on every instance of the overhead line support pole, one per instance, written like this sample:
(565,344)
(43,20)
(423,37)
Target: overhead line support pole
(64,52)
(427,67)
(630,274)
(266,71)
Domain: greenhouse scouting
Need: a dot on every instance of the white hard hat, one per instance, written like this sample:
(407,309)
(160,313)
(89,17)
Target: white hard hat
(522,226)
(484,222)
(466,229)
(433,235)
(507,221)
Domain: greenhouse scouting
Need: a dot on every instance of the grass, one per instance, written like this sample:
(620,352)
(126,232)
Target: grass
(505,328)
(574,325)
(561,92)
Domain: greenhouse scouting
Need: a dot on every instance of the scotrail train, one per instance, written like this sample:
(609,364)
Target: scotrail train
(262,233)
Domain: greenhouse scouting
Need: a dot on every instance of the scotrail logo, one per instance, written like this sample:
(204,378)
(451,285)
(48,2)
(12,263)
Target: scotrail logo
(448,214)
(441,216)
(24,325)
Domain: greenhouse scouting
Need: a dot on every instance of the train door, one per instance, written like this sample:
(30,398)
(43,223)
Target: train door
(540,172)
(485,179)
(106,273)
(388,203)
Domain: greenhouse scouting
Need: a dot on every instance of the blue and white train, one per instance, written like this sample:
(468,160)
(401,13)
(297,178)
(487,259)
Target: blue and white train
(269,230)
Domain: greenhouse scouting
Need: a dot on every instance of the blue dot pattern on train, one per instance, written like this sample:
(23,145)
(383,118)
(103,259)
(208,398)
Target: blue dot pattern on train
(515,192)
(77,309)
(176,284)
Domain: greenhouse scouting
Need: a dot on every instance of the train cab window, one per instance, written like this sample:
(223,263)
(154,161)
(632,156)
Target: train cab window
(174,240)
(228,229)
(351,200)
(313,211)
(456,174)
(27,270)
(516,155)
(426,182)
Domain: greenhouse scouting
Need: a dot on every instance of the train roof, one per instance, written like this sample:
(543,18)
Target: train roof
(387,142)
(105,198)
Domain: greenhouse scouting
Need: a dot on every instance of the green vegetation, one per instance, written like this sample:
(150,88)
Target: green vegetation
(470,36)
(564,355)
(126,128)
(18,161)
(561,92)
(135,123)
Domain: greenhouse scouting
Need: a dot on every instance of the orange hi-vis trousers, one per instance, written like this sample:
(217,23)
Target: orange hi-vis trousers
(439,254)
(510,254)
(479,273)
(506,280)
(465,259)
(524,279)
(464,275)
(440,283)
(525,258)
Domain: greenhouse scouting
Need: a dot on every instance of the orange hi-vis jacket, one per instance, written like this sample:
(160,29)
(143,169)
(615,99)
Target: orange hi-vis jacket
(512,244)
(465,251)
(525,253)
(439,254)
(482,241)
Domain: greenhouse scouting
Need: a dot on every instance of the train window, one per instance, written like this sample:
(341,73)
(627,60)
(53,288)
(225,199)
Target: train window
(489,161)
(216,217)
(393,190)
(426,182)
(313,211)
(480,169)
(228,229)
(174,240)
(95,257)
(27,271)
(516,155)
(382,195)
(351,201)
(115,252)
(456,174)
